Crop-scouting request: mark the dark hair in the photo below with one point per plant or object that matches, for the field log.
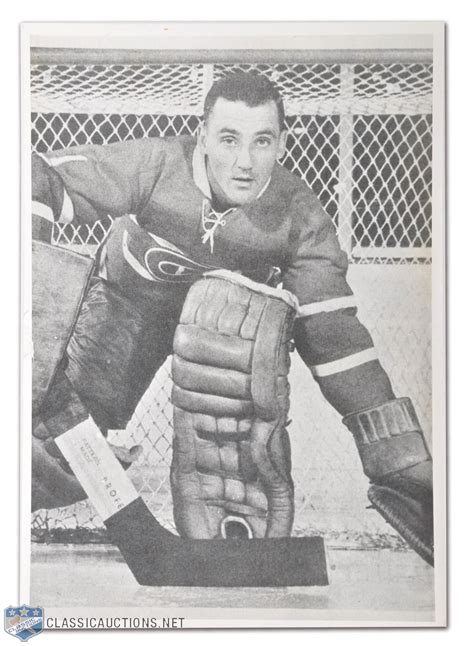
(251, 89)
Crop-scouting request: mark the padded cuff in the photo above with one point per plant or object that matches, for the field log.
(389, 438)
(395, 417)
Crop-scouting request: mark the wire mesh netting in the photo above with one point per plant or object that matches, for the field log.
(360, 136)
(177, 89)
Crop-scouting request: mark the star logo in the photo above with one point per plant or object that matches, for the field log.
(23, 622)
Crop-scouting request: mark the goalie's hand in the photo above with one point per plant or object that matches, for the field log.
(53, 482)
(51, 485)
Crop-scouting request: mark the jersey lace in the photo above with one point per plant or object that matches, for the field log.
(210, 220)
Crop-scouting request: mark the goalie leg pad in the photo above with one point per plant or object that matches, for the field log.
(231, 466)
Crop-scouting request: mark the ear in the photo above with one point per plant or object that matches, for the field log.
(202, 136)
(282, 143)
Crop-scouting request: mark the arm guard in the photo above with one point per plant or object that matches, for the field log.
(230, 474)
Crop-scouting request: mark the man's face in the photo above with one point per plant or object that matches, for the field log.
(242, 145)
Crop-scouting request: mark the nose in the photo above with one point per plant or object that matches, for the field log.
(244, 159)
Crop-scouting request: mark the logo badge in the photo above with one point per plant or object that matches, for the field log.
(23, 622)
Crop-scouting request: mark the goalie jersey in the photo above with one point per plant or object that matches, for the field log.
(167, 232)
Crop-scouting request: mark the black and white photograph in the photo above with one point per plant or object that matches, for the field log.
(233, 399)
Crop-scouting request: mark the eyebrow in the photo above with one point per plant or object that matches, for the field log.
(232, 131)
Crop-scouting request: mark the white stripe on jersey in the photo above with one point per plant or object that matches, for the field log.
(331, 305)
(67, 211)
(57, 161)
(43, 211)
(346, 363)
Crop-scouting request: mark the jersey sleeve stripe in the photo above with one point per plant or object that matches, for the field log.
(67, 211)
(57, 161)
(43, 211)
(346, 363)
(102, 263)
(331, 305)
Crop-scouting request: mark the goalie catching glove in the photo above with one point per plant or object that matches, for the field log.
(396, 459)
(230, 474)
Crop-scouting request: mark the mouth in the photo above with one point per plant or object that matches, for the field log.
(243, 182)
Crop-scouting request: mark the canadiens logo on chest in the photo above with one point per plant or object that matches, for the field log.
(157, 260)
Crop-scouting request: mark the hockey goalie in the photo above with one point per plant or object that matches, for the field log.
(199, 225)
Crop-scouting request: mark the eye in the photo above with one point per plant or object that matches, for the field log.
(229, 141)
(263, 142)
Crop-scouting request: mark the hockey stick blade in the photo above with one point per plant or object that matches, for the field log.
(157, 557)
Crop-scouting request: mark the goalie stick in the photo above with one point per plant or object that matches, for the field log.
(156, 557)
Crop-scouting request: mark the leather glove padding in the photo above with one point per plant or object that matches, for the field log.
(59, 281)
(411, 517)
(230, 474)
(397, 461)
(405, 500)
(53, 482)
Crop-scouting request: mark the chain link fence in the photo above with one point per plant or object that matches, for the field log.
(360, 136)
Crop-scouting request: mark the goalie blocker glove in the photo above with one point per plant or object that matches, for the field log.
(55, 403)
(397, 461)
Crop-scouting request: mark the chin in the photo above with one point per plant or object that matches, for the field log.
(239, 199)
(243, 201)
